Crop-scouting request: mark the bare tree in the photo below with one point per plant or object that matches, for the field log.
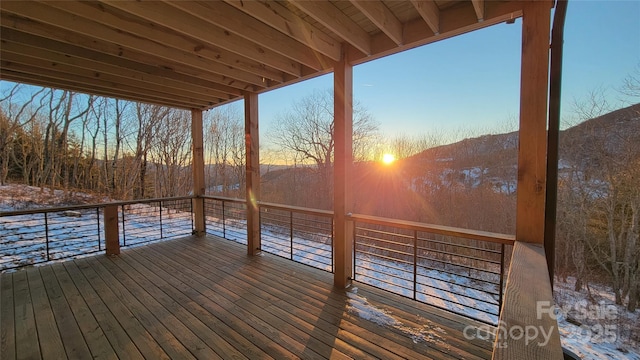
(14, 116)
(225, 150)
(148, 121)
(170, 154)
(307, 130)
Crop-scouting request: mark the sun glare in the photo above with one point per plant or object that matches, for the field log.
(388, 159)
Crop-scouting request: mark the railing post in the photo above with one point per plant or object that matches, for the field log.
(415, 263)
(112, 241)
(501, 283)
(160, 206)
(46, 234)
(224, 225)
(291, 233)
(98, 221)
(124, 232)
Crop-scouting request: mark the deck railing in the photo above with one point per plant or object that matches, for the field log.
(299, 234)
(459, 270)
(41, 235)
(462, 271)
(226, 218)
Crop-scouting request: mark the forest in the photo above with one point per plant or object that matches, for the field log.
(56, 139)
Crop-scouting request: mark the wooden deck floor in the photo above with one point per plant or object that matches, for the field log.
(204, 298)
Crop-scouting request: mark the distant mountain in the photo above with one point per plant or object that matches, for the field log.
(492, 159)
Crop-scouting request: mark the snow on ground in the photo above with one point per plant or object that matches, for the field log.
(38, 238)
(593, 326)
(23, 197)
(361, 307)
(21, 242)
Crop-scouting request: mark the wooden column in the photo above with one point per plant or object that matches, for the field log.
(197, 165)
(111, 235)
(252, 172)
(342, 179)
(532, 151)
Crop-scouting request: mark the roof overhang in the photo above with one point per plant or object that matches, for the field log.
(200, 54)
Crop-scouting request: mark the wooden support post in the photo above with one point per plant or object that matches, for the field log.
(342, 179)
(252, 172)
(532, 150)
(197, 165)
(111, 236)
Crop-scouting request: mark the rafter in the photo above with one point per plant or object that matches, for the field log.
(27, 65)
(335, 20)
(478, 6)
(285, 21)
(76, 24)
(247, 27)
(113, 17)
(453, 21)
(201, 30)
(103, 61)
(429, 12)
(102, 27)
(96, 88)
(52, 61)
(382, 17)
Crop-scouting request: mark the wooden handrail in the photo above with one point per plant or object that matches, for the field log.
(528, 328)
(437, 229)
(89, 206)
(225, 199)
(297, 209)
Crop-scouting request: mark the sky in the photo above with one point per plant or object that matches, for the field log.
(471, 83)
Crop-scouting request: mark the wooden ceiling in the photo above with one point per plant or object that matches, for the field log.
(200, 54)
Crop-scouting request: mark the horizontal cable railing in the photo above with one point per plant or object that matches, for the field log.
(299, 234)
(458, 270)
(36, 236)
(226, 218)
(152, 220)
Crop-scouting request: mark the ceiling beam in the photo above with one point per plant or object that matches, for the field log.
(51, 31)
(336, 21)
(56, 62)
(196, 28)
(97, 89)
(75, 17)
(24, 64)
(429, 12)
(382, 17)
(478, 6)
(12, 37)
(290, 24)
(252, 30)
(113, 17)
(453, 21)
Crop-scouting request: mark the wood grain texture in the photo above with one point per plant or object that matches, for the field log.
(197, 166)
(342, 179)
(252, 164)
(532, 148)
(111, 230)
(205, 298)
(527, 291)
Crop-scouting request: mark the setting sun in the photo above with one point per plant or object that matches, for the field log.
(388, 159)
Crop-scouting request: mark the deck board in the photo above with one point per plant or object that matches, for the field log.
(45, 303)
(204, 298)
